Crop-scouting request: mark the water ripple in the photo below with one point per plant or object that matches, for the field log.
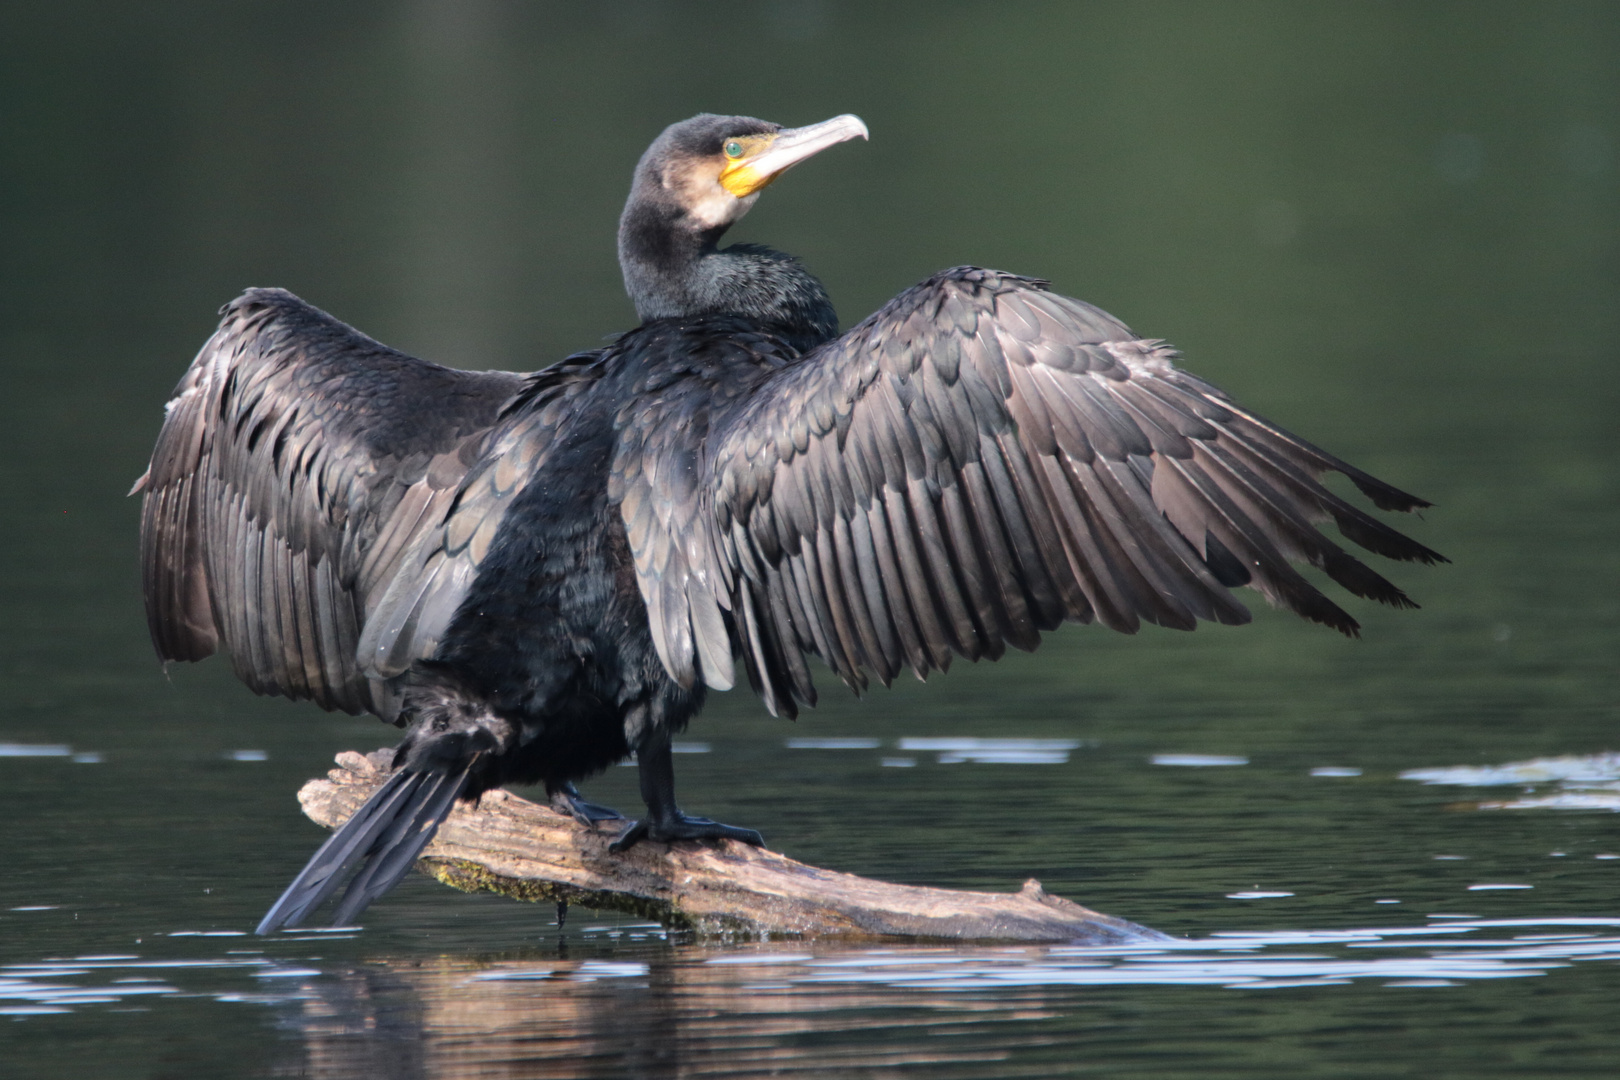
(1452, 953)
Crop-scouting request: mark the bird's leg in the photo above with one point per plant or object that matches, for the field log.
(565, 799)
(664, 820)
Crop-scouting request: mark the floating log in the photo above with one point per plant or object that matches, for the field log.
(511, 846)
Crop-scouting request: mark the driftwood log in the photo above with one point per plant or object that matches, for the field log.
(517, 848)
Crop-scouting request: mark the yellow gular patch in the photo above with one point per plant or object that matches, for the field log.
(738, 176)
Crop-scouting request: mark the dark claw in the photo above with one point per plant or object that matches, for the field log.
(627, 839)
(565, 799)
(682, 827)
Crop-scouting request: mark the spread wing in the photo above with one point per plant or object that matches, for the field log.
(302, 470)
(982, 460)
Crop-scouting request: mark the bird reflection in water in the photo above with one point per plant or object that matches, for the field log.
(448, 1018)
(826, 1009)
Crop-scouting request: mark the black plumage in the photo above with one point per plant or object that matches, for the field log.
(539, 575)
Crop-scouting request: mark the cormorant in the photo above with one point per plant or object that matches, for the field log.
(538, 575)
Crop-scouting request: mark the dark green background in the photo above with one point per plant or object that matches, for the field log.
(1391, 227)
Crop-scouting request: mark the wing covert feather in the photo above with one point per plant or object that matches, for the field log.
(298, 465)
(983, 459)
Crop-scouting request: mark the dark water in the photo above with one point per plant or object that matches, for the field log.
(1394, 228)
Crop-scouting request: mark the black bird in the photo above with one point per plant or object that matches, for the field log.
(537, 575)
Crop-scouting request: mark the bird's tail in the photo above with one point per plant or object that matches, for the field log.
(385, 836)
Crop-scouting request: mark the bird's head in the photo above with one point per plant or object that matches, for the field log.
(706, 172)
(692, 184)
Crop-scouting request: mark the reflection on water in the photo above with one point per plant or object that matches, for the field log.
(656, 1010)
(1199, 761)
(834, 743)
(955, 751)
(49, 750)
(42, 989)
(34, 750)
(1570, 769)
(1576, 782)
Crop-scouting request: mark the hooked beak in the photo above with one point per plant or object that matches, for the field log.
(786, 149)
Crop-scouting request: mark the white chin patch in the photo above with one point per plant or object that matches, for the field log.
(717, 207)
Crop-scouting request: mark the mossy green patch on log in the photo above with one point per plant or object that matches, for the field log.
(471, 877)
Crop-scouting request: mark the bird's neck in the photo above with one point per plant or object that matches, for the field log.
(673, 272)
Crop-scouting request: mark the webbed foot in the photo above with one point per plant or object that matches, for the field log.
(664, 820)
(565, 799)
(682, 827)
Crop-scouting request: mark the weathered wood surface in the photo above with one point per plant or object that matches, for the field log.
(518, 848)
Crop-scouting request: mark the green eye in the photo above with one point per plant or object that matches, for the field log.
(734, 149)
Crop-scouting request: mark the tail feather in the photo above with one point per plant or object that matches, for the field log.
(391, 827)
(396, 852)
(321, 875)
